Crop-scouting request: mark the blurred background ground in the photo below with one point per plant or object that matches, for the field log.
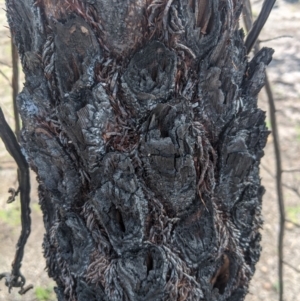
(284, 74)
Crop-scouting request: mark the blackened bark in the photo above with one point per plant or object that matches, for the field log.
(140, 118)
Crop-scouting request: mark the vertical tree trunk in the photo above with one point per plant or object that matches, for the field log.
(140, 119)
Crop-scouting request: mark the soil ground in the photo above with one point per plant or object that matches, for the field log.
(284, 75)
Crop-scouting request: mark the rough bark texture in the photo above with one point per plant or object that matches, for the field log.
(140, 119)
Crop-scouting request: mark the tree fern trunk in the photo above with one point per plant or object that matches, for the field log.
(140, 119)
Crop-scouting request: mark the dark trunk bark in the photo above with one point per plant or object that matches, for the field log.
(140, 119)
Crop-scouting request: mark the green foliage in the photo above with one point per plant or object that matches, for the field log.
(268, 124)
(35, 207)
(293, 213)
(44, 294)
(11, 214)
(276, 286)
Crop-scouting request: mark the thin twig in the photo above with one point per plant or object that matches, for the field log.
(5, 64)
(292, 267)
(291, 170)
(267, 170)
(13, 195)
(295, 224)
(4, 75)
(278, 185)
(276, 38)
(294, 189)
(15, 278)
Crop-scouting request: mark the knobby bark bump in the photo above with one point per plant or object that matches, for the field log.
(140, 119)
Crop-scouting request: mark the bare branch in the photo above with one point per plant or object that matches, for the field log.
(295, 224)
(267, 170)
(259, 24)
(15, 278)
(276, 38)
(278, 184)
(291, 266)
(4, 75)
(5, 64)
(292, 188)
(291, 170)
